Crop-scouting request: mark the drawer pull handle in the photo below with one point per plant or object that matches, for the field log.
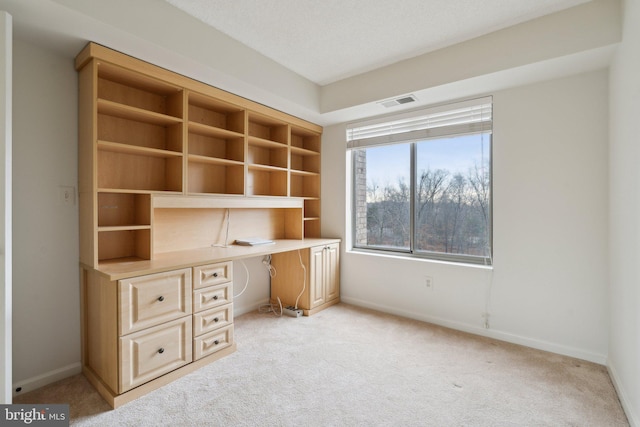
(215, 297)
(215, 274)
(161, 350)
(216, 342)
(216, 320)
(160, 298)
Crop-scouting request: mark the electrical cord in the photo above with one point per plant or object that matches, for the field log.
(226, 236)
(269, 308)
(270, 268)
(246, 283)
(304, 280)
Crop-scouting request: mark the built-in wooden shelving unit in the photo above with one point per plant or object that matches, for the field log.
(146, 132)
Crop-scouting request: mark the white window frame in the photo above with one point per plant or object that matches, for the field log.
(474, 116)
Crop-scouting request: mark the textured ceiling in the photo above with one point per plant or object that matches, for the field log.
(330, 40)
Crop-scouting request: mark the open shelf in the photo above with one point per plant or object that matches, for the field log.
(267, 153)
(124, 210)
(214, 176)
(215, 114)
(217, 147)
(266, 128)
(266, 181)
(305, 140)
(140, 134)
(128, 88)
(127, 171)
(305, 184)
(119, 244)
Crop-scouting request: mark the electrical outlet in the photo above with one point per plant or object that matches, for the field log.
(428, 282)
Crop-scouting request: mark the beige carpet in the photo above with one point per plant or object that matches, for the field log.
(348, 366)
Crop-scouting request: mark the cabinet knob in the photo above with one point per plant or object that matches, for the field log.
(215, 297)
(161, 350)
(160, 298)
(216, 342)
(215, 274)
(216, 320)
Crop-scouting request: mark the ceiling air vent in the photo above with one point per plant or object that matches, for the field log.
(398, 101)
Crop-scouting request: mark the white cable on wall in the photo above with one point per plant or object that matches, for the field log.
(226, 236)
(246, 283)
(304, 281)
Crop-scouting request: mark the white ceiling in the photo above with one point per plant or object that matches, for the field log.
(332, 62)
(329, 40)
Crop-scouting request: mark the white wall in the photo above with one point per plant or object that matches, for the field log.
(549, 287)
(624, 342)
(6, 284)
(46, 314)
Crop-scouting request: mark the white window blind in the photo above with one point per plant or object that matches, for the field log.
(461, 118)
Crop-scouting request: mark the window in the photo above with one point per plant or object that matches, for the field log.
(422, 182)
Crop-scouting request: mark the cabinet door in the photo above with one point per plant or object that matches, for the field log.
(332, 271)
(316, 276)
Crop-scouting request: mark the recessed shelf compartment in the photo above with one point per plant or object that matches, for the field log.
(266, 181)
(120, 244)
(139, 172)
(124, 210)
(127, 112)
(267, 154)
(305, 161)
(312, 227)
(140, 134)
(312, 208)
(214, 176)
(228, 148)
(215, 114)
(128, 88)
(305, 140)
(305, 184)
(268, 129)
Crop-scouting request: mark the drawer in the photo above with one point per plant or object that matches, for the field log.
(213, 296)
(217, 340)
(212, 274)
(212, 319)
(153, 299)
(147, 354)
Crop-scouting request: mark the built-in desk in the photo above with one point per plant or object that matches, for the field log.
(120, 269)
(146, 323)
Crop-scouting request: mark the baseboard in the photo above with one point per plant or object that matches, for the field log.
(629, 411)
(246, 308)
(490, 333)
(42, 380)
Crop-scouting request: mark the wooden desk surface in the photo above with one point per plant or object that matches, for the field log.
(123, 268)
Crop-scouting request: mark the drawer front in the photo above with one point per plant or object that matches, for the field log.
(213, 296)
(213, 274)
(212, 319)
(147, 354)
(217, 340)
(154, 299)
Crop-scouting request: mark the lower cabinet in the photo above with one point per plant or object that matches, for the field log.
(141, 332)
(307, 278)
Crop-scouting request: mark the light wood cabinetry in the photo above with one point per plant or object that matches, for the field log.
(172, 171)
(146, 132)
(140, 328)
(315, 286)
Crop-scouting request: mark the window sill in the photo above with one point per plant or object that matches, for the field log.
(416, 258)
